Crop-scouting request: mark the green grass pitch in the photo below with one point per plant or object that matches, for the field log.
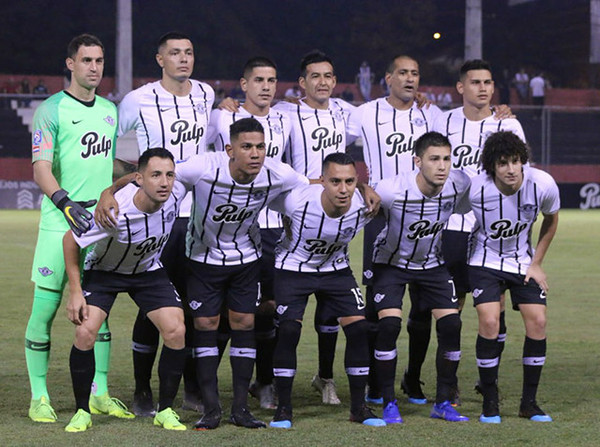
(570, 388)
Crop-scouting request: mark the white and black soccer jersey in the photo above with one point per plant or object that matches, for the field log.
(389, 134)
(135, 245)
(501, 238)
(223, 229)
(161, 119)
(315, 134)
(316, 242)
(467, 139)
(411, 238)
(277, 133)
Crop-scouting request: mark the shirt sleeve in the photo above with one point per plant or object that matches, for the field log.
(93, 235)
(45, 130)
(551, 198)
(128, 113)
(385, 190)
(189, 171)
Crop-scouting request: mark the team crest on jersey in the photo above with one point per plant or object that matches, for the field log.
(277, 129)
(528, 210)
(170, 217)
(419, 122)
(258, 195)
(347, 232)
(486, 134)
(45, 271)
(338, 115)
(447, 206)
(110, 120)
(201, 107)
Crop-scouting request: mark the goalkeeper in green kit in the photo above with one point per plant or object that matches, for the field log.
(73, 140)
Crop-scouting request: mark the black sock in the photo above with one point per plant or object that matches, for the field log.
(170, 369)
(264, 327)
(448, 355)
(356, 362)
(82, 365)
(502, 333)
(534, 357)
(419, 334)
(144, 345)
(284, 360)
(223, 336)
(386, 355)
(190, 379)
(488, 362)
(327, 332)
(242, 355)
(206, 355)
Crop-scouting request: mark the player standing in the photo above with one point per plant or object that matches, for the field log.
(172, 113)
(312, 257)
(259, 82)
(417, 205)
(506, 199)
(318, 128)
(72, 152)
(126, 259)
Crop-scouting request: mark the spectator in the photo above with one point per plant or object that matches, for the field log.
(364, 79)
(40, 88)
(293, 92)
(24, 89)
(521, 83)
(538, 85)
(444, 100)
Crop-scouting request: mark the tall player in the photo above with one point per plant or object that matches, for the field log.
(172, 113)
(506, 199)
(312, 257)
(72, 152)
(259, 82)
(126, 259)
(318, 128)
(417, 205)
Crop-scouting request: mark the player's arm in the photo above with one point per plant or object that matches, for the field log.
(502, 112)
(107, 210)
(229, 104)
(371, 198)
(77, 310)
(76, 215)
(547, 232)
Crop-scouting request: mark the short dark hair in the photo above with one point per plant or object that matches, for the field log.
(171, 35)
(86, 40)
(339, 158)
(258, 61)
(429, 139)
(499, 145)
(159, 152)
(474, 64)
(244, 125)
(313, 57)
(392, 65)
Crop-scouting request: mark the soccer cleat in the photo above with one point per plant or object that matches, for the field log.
(81, 421)
(490, 413)
(366, 417)
(282, 418)
(391, 414)
(112, 406)
(169, 420)
(530, 410)
(412, 388)
(455, 396)
(374, 399)
(243, 418)
(143, 405)
(40, 410)
(447, 412)
(192, 402)
(327, 388)
(209, 420)
(265, 395)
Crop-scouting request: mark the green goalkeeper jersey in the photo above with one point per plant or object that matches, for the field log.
(78, 138)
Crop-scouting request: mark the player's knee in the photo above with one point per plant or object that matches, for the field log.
(206, 323)
(173, 335)
(389, 328)
(289, 332)
(266, 308)
(85, 337)
(264, 323)
(536, 326)
(241, 322)
(449, 326)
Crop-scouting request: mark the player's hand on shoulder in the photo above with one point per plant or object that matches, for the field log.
(107, 210)
(372, 200)
(536, 273)
(422, 100)
(502, 112)
(229, 104)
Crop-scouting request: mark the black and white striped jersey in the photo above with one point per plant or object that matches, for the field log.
(161, 119)
(314, 241)
(501, 238)
(315, 134)
(224, 227)
(411, 238)
(136, 244)
(467, 139)
(277, 131)
(389, 134)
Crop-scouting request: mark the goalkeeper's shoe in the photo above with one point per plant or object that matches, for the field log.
(168, 419)
(40, 410)
(112, 406)
(80, 422)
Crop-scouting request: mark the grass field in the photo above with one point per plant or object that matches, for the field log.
(570, 388)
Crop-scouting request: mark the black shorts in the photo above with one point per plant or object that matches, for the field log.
(173, 257)
(337, 293)
(490, 284)
(455, 245)
(434, 288)
(150, 290)
(370, 233)
(269, 238)
(212, 286)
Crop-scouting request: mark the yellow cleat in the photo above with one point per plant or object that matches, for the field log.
(81, 421)
(169, 420)
(112, 406)
(40, 410)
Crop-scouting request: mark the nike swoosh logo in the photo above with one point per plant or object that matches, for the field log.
(454, 300)
(246, 352)
(137, 232)
(381, 124)
(363, 371)
(164, 109)
(538, 361)
(304, 118)
(308, 228)
(379, 356)
(68, 214)
(76, 122)
(453, 133)
(489, 210)
(486, 363)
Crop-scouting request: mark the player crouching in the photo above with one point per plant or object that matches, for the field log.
(127, 259)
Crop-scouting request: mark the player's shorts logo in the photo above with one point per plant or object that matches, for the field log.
(477, 292)
(378, 298)
(281, 309)
(194, 305)
(45, 271)
(368, 274)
